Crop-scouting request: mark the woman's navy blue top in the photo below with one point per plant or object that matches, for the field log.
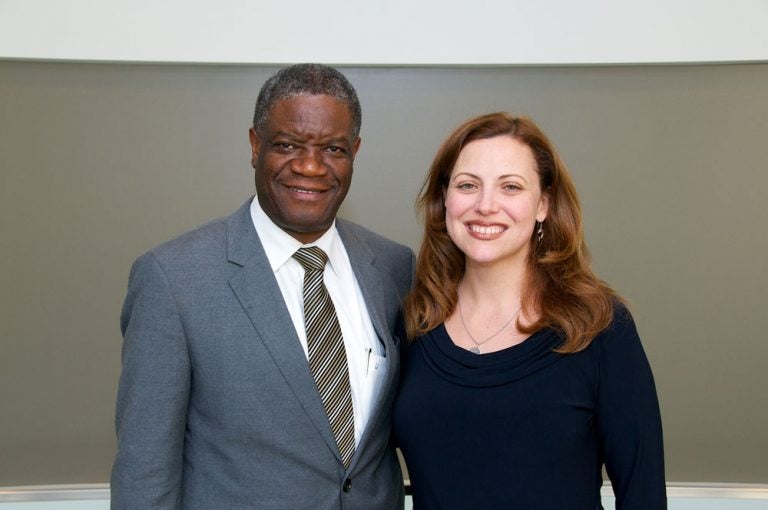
(528, 428)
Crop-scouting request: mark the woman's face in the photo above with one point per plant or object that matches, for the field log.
(493, 201)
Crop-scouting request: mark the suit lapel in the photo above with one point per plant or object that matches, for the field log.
(256, 289)
(373, 286)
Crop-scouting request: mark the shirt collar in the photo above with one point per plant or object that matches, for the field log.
(280, 246)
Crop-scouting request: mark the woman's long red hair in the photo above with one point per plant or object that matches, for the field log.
(561, 289)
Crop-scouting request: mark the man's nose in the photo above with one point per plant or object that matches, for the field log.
(308, 162)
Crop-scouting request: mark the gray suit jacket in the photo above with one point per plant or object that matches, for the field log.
(217, 408)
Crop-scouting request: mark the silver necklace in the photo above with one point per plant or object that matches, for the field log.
(476, 348)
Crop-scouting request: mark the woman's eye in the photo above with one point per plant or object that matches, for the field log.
(465, 185)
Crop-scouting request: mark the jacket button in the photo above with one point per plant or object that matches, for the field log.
(347, 485)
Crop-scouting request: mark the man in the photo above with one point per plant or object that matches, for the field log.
(223, 402)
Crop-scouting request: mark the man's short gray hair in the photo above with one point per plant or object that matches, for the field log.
(307, 80)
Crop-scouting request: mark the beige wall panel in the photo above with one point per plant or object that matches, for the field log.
(99, 162)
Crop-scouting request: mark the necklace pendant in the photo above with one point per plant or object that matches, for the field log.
(475, 350)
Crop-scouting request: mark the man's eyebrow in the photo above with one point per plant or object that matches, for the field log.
(285, 134)
(339, 140)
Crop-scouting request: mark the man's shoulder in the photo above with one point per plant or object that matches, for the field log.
(377, 242)
(196, 240)
(204, 243)
(392, 259)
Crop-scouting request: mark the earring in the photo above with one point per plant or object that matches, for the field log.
(540, 232)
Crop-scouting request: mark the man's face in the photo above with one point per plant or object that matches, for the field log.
(303, 161)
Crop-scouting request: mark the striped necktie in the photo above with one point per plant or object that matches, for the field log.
(327, 357)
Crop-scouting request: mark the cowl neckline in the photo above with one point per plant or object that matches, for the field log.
(462, 367)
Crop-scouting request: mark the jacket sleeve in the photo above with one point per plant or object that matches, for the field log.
(629, 421)
(152, 395)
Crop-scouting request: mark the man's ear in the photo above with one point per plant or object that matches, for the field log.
(356, 147)
(255, 140)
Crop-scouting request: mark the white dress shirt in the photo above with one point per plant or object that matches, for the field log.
(365, 353)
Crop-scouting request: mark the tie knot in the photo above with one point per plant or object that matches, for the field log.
(312, 258)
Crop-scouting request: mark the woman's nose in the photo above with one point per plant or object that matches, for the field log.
(486, 202)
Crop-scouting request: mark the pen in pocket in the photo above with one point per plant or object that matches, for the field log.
(367, 360)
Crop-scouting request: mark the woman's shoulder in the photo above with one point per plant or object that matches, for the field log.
(620, 339)
(622, 317)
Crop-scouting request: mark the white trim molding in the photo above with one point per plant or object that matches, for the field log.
(69, 492)
(100, 491)
(694, 490)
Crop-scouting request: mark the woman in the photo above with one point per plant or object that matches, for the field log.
(524, 374)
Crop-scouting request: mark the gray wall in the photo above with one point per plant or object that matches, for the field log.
(100, 162)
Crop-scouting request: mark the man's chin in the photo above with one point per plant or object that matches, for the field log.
(306, 232)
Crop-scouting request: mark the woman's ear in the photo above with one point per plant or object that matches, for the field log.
(543, 211)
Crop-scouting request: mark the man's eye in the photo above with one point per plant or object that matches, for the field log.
(335, 149)
(284, 146)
